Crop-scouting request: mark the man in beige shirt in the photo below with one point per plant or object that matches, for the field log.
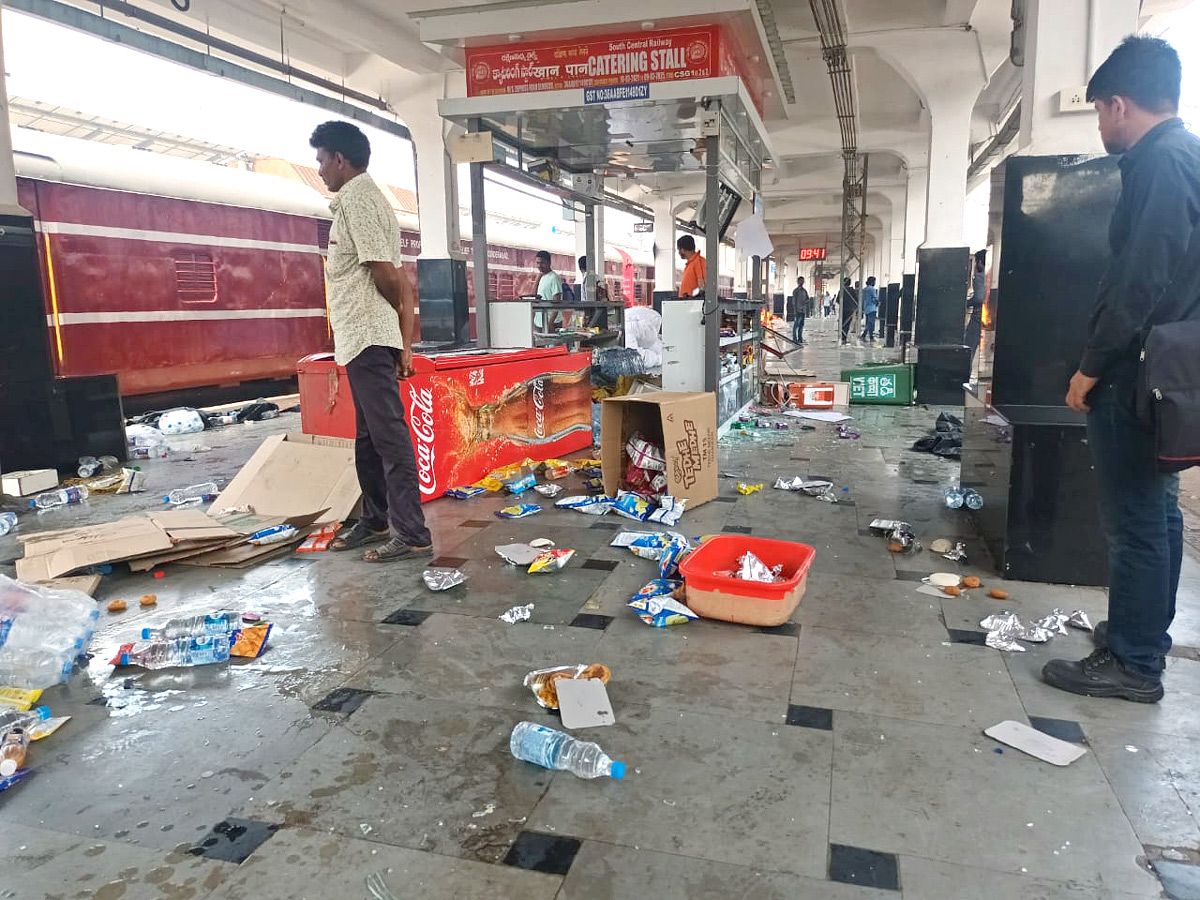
(373, 320)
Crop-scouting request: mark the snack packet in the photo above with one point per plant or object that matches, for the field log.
(320, 539)
(548, 490)
(656, 605)
(550, 561)
(276, 534)
(668, 564)
(557, 468)
(466, 492)
(592, 506)
(632, 506)
(541, 681)
(521, 484)
(670, 510)
(250, 642)
(520, 511)
(18, 698)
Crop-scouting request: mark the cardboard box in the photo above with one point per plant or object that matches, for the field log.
(29, 481)
(686, 427)
(294, 474)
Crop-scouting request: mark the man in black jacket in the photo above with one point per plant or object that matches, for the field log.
(797, 310)
(1136, 92)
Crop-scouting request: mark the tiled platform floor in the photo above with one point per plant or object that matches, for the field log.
(366, 754)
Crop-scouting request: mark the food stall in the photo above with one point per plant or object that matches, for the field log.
(469, 411)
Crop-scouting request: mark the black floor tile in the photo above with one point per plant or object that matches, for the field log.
(344, 700)
(234, 840)
(406, 616)
(867, 868)
(961, 636)
(550, 853)
(450, 562)
(603, 565)
(591, 620)
(925, 481)
(737, 529)
(810, 717)
(902, 575)
(788, 629)
(478, 523)
(1063, 729)
(725, 499)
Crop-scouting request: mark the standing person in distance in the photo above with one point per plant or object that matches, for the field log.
(549, 288)
(695, 272)
(1136, 92)
(372, 314)
(848, 302)
(870, 306)
(974, 330)
(798, 305)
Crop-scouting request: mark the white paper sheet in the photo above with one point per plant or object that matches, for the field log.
(818, 415)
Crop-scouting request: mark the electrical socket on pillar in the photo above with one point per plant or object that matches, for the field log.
(1074, 100)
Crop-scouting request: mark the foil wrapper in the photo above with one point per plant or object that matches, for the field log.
(789, 484)
(958, 553)
(1055, 623)
(751, 568)
(900, 532)
(1004, 630)
(443, 579)
(548, 490)
(1079, 619)
(997, 641)
(517, 614)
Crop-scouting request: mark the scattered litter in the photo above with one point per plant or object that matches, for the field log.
(486, 811)
(661, 610)
(1079, 619)
(201, 650)
(319, 540)
(117, 606)
(518, 554)
(517, 614)
(17, 698)
(592, 506)
(365, 828)
(1131, 748)
(632, 506)
(520, 484)
(442, 579)
(944, 440)
(1035, 743)
(276, 534)
(548, 490)
(957, 554)
(519, 511)
(751, 568)
(670, 510)
(971, 581)
(542, 681)
(584, 703)
(466, 492)
(552, 749)
(941, 545)
(943, 579)
(148, 600)
(847, 434)
(818, 415)
(746, 489)
(901, 536)
(998, 594)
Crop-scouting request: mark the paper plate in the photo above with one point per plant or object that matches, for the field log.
(944, 579)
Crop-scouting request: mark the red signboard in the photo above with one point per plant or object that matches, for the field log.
(638, 57)
(808, 254)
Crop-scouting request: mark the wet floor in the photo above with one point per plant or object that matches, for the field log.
(365, 755)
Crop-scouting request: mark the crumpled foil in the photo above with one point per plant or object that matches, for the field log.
(1079, 619)
(548, 490)
(1004, 629)
(822, 490)
(958, 553)
(751, 568)
(900, 532)
(440, 579)
(517, 614)
(1055, 623)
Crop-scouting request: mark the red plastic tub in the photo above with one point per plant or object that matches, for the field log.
(716, 596)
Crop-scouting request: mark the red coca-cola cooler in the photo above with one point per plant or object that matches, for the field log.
(469, 411)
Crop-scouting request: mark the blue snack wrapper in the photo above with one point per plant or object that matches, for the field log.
(520, 485)
(632, 506)
(670, 510)
(668, 563)
(592, 506)
(655, 606)
(520, 511)
(466, 492)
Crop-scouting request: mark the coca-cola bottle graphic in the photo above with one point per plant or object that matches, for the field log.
(540, 410)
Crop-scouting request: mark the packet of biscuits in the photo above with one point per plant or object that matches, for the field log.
(541, 681)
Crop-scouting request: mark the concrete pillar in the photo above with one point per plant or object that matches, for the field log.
(1054, 65)
(664, 244)
(914, 217)
(8, 175)
(437, 194)
(949, 142)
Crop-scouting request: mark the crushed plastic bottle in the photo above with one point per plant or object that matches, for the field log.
(186, 651)
(36, 668)
(88, 466)
(26, 719)
(68, 496)
(204, 491)
(193, 626)
(152, 451)
(555, 750)
(12, 751)
(973, 499)
(8, 521)
(954, 497)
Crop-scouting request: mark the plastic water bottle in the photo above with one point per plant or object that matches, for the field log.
(8, 521)
(205, 491)
(151, 451)
(973, 499)
(68, 496)
(954, 497)
(192, 626)
(555, 750)
(35, 668)
(23, 718)
(12, 751)
(188, 651)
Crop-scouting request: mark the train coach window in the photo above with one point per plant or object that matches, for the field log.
(195, 278)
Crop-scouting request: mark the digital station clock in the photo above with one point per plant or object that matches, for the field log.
(811, 254)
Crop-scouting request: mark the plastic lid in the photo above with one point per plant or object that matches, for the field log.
(166, 499)
(7, 767)
(618, 769)
(124, 659)
(42, 712)
(145, 634)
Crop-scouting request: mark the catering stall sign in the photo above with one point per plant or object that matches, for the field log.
(618, 59)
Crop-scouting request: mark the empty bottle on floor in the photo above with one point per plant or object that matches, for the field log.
(15, 718)
(35, 667)
(188, 651)
(8, 521)
(88, 466)
(973, 499)
(555, 750)
(193, 626)
(68, 496)
(954, 497)
(12, 751)
(207, 490)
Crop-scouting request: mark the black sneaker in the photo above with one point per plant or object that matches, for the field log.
(1101, 675)
(1100, 635)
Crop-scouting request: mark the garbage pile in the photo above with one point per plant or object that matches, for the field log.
(43, 631)
(21, 724)
(945, 440)
(198, 640)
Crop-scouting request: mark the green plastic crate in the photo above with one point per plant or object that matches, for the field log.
(890, 385)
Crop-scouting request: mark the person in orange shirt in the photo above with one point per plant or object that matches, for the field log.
(695, 272)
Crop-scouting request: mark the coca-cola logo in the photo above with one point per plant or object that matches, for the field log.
(421, 417)
(539, 409)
